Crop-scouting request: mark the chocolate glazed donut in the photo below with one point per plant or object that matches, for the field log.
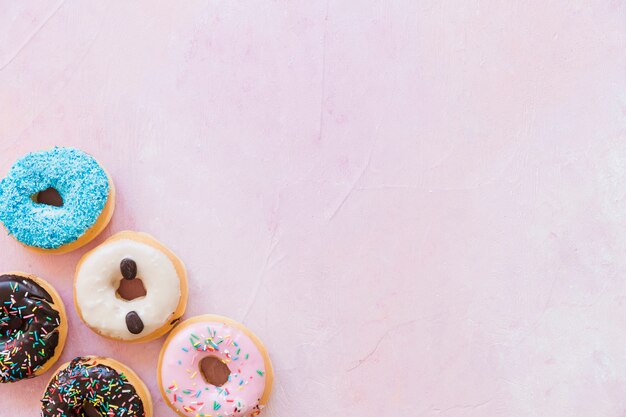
(29, 327)
(88, 388)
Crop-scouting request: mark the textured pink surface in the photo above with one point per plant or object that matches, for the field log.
(419, 205)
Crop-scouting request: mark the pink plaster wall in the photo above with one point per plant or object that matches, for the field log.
(417, 205)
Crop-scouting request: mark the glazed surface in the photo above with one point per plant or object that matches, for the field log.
(79, 179)
(99, 276)
(29, 323)
(86, 387)
(182, 381)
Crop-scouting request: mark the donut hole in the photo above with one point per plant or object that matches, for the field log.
(131, 289)
(13, 324)
(89, 410)
(49, 197)
(214, 371)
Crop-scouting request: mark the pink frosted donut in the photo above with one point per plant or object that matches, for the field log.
(211, 365)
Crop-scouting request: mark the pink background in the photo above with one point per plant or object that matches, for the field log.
(419, 206)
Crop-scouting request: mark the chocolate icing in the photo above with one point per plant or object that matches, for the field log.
(86, 388)
(29, 325)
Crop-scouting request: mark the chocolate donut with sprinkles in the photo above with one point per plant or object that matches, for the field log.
(93, 386)
(33, 326)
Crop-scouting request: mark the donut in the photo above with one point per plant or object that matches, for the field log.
(86, 191)
(92, 386)
(212, 365)
(33, 326)
(130, 258)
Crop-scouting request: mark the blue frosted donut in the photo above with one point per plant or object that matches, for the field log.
(81, 182)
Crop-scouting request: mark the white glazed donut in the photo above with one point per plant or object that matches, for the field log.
(129, 256)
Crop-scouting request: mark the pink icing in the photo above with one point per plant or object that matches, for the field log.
(186, 389)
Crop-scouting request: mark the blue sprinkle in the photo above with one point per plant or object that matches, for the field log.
(81, 182)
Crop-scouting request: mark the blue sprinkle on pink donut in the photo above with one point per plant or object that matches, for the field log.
(79, 179)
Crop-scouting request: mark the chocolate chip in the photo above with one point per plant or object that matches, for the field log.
(134, 323)
(128, 268)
